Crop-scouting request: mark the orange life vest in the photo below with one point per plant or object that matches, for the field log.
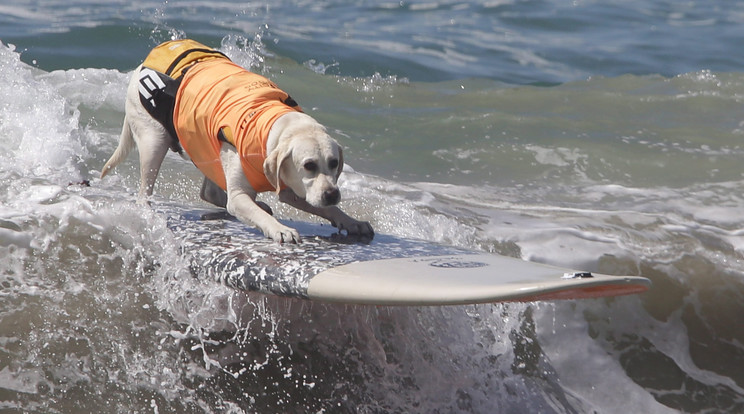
(217, 95)
(160, 78)
(172, 57)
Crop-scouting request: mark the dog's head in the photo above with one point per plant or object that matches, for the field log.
(308, 161)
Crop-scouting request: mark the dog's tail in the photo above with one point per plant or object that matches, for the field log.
(126, 143)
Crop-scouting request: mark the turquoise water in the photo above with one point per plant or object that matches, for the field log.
(583, 134)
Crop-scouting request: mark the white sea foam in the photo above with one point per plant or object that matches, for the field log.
(39, 125)
(585, 367)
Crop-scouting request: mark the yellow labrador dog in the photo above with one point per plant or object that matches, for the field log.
(244, 133)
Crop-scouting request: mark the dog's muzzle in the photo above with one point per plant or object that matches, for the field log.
(331, 197)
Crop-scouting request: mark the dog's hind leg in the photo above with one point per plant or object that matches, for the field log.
(153, 142)
(151, 157)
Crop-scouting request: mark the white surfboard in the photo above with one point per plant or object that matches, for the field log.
(462, 279)
(384, 271)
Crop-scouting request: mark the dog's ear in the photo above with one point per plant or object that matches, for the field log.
(340, 162)
(273, 165)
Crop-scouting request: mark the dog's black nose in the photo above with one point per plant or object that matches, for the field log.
(331, 197)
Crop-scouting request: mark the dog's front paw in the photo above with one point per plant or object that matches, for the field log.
(282, 234)
(355, 227)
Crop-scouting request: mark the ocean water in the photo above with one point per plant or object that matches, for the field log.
(599, 136)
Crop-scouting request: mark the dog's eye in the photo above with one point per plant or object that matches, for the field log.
(311, 166)
(332, 164)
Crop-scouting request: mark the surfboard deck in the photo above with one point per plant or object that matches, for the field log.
(387, 270)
